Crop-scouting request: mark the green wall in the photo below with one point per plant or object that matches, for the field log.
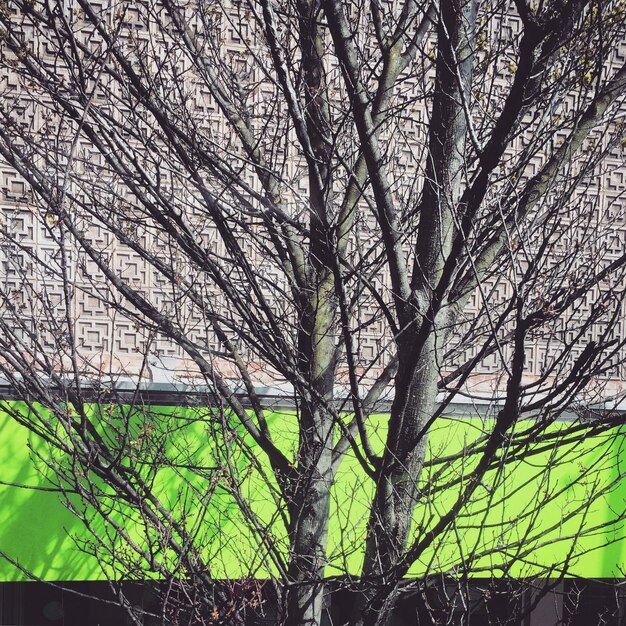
(540, 512)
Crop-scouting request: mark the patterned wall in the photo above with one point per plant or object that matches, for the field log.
(42, 275)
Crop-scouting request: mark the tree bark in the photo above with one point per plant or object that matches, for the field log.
(309, 533)
(415, 398)
(309, 496)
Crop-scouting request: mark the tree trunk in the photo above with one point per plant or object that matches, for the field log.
(415, 398)
(397, 492)
(305, 575)
(312, 479)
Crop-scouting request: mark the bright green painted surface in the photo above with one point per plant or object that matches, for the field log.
(537, 513)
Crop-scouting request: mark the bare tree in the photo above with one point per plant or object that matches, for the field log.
(367, 202)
